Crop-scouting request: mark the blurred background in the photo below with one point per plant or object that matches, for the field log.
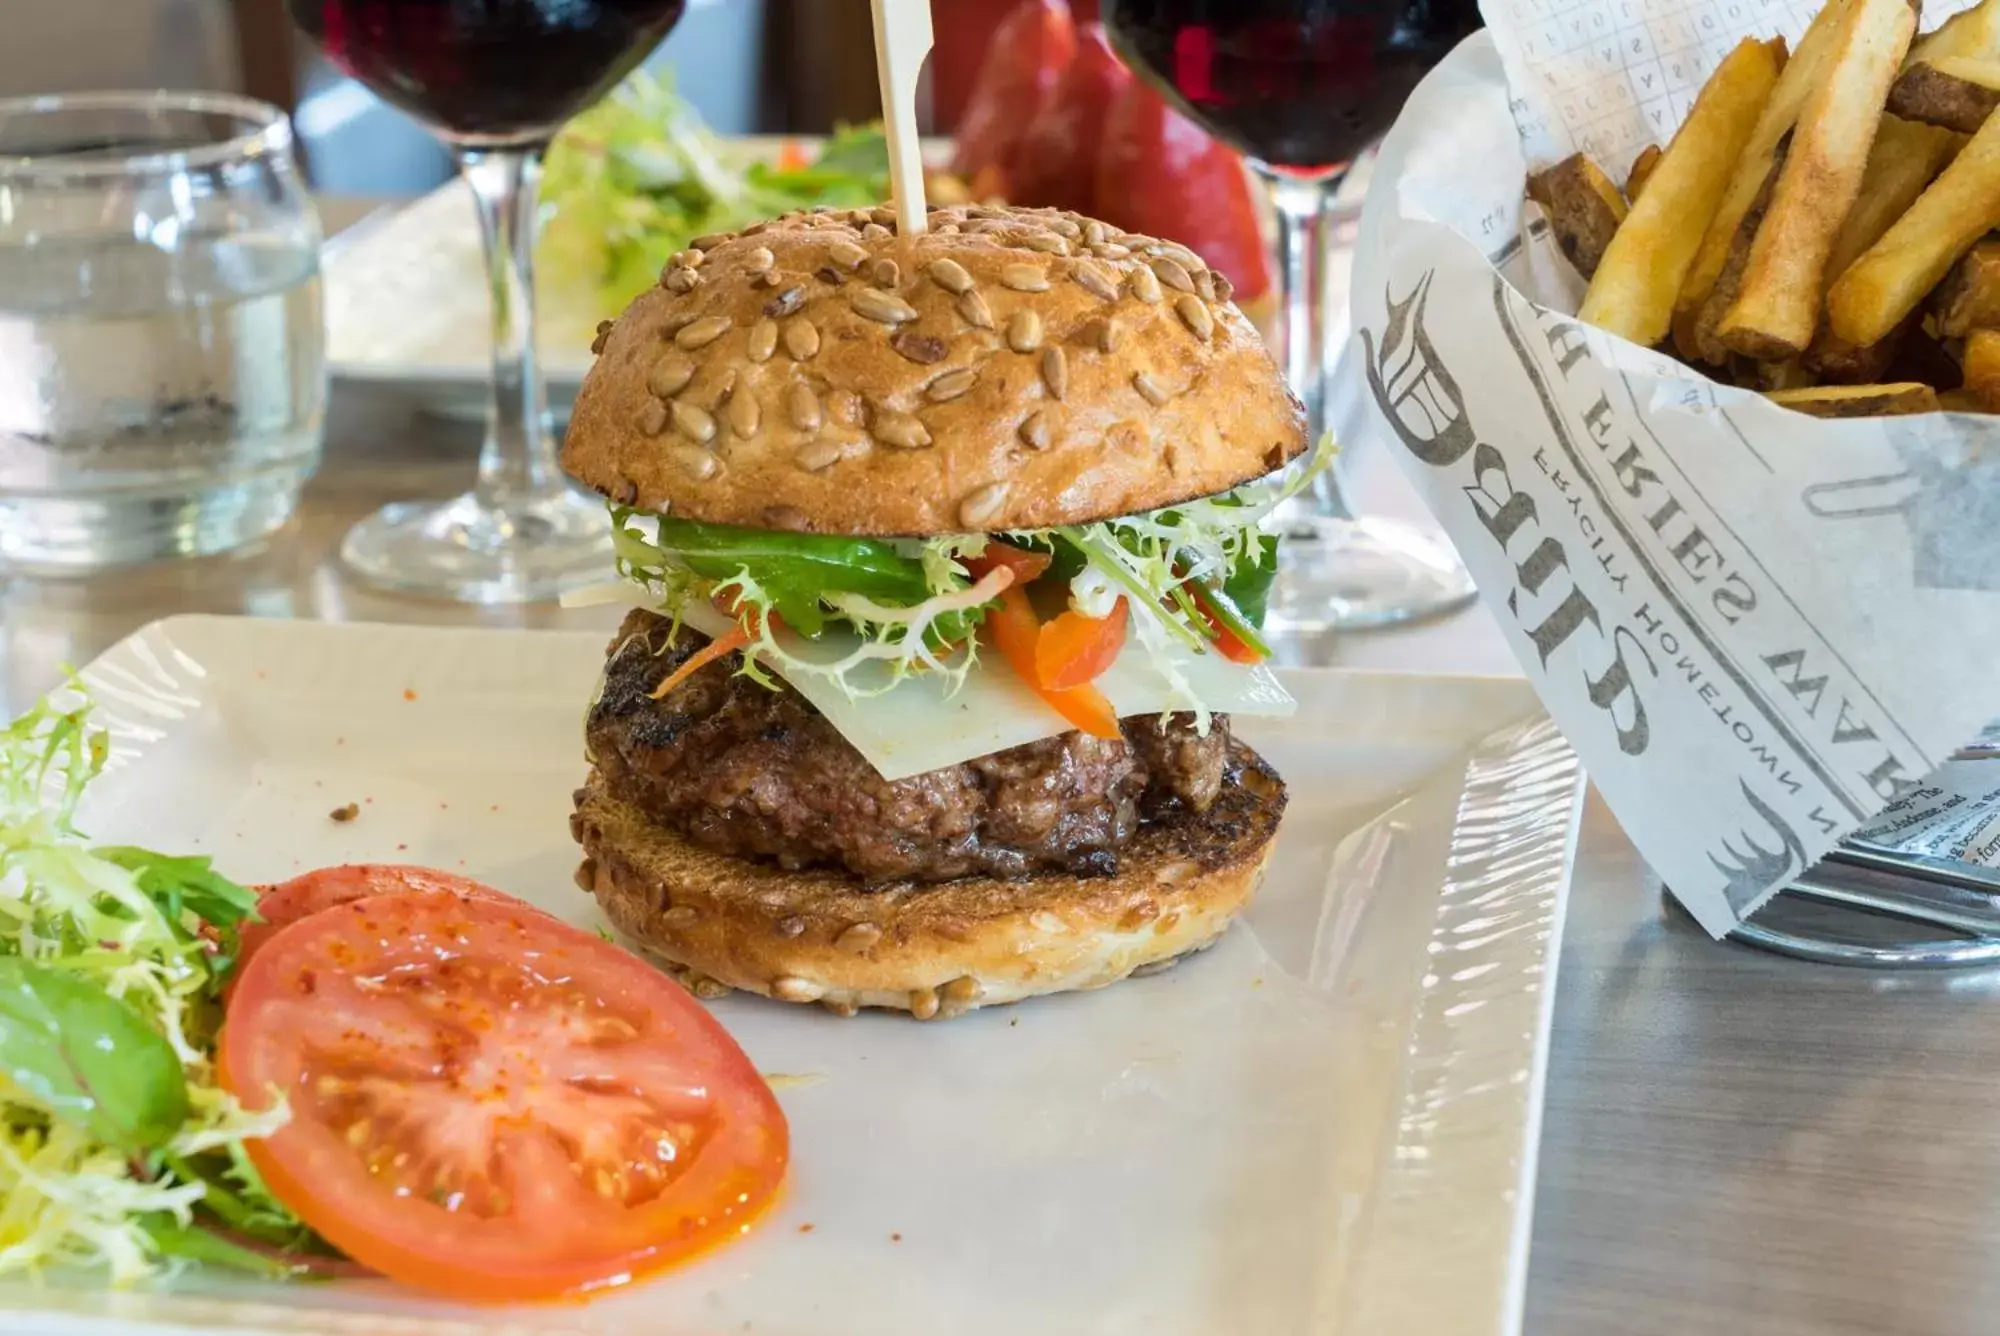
(748, 66)
(1026, 101)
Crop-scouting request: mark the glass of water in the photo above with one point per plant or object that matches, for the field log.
(162, 367)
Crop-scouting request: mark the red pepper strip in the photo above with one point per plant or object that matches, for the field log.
(1227, 642)
(1026, 563)
(1074, 649)
(1015, 631)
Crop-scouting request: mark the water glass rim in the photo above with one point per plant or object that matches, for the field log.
(263, 130)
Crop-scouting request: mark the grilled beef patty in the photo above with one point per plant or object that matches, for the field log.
(741, 769)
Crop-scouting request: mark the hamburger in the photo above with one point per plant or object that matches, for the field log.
(948, 566)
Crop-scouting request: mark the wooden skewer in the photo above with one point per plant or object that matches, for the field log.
(902, 44)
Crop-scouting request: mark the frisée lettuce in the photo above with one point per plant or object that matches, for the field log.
(1190, 572)
(907, 599)
(118, 1148)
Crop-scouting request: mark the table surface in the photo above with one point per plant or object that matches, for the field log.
(1733, 1142)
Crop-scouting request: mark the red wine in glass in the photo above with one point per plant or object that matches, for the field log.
(488, 71)
(1300, 85)
(495, 79)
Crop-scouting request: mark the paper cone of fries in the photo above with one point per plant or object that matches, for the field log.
(1749, 562)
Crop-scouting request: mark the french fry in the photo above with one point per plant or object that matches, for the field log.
(1969, 297)
(1851, 401)
(1781, 112)
(1972, 32)
(1960, 401)
(1982, 367)
(1896, 273)
(1906, 158)
(1632, 294)
(1980, 71)
(1584, 209)
(1642, 171)
(1956, 92)
(1699, 342)
(1785, 282)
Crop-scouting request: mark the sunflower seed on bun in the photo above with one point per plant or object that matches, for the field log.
(950, 345)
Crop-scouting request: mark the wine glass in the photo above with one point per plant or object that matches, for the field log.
(494, 79)
(1301, 87)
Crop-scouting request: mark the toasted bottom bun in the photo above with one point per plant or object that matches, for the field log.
(933, 950)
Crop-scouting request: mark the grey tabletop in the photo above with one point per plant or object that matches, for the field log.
(1733, 1142)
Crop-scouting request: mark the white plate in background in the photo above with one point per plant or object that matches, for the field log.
(1325, 1124)
(406, 299)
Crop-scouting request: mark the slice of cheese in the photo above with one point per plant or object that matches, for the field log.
(920, 724)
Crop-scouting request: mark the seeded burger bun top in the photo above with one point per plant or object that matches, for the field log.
(1009, 369)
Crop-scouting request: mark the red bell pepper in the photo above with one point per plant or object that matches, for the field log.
(1160, 174)
(1015, 631)
(1056, 164)
(1073, 649)
(1025, 60)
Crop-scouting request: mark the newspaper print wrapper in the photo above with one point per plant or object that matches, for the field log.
(1757, 628)
(1953, 816)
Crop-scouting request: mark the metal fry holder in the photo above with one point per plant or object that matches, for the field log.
(1862, 893)
(1855, 905)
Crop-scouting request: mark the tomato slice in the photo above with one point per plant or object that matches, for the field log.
(1074, 649)
(311, 892)
(1015, 632)
(490, 1104)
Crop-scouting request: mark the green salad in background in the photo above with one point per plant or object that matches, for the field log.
(638, 176)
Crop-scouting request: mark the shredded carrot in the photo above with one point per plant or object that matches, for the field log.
(736, 638)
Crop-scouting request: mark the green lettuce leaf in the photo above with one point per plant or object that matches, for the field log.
(185, 885)
(1249, 584)
(88, 1058)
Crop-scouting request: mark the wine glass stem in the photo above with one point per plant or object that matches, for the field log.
(1300, 205)
(517, 464)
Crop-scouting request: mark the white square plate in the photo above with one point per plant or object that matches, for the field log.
(1325, 1124)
